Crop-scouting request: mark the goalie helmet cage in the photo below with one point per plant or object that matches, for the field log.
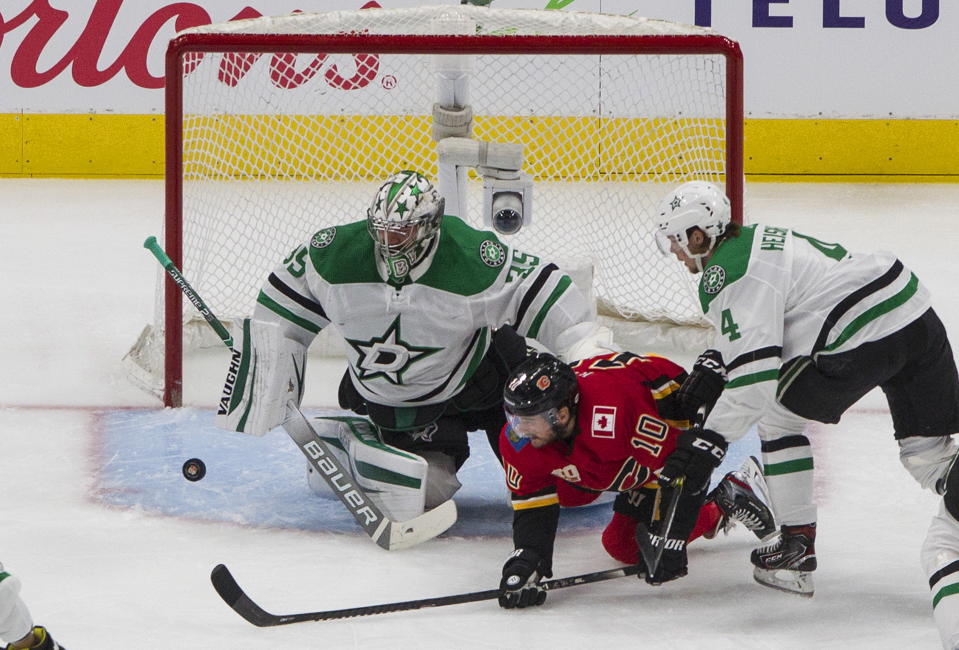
(278, 127)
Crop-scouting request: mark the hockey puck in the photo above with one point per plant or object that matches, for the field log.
(194, 469)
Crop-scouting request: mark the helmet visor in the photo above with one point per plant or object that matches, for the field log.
(536, 425)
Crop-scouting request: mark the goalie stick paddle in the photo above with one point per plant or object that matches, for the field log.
(387, 534)
(234, 596)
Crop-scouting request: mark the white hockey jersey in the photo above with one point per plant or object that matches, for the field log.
(418, 343)
(774, 295)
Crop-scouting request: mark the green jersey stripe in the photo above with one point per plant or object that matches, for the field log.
(788, 467)
(478, 353)
(948, 590)
(560, 289)
(876, 311)
(753, 378)
(282, 311)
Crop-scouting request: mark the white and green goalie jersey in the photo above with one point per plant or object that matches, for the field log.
(774, 295)
(419, 342)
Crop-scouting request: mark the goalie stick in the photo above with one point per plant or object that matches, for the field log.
(387, 534)
(234, 596)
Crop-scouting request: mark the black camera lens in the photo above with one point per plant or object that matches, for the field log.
(507, 221)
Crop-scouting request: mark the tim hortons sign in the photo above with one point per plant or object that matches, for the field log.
(54, 40)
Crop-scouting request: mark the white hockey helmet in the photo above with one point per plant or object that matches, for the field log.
(696, 204)
(405, 212)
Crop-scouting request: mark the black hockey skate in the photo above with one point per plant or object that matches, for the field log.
(788, 560)
(742, 497)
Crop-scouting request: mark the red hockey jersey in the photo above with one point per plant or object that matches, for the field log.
(624, 432)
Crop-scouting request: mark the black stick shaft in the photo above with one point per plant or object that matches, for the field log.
(234, 596)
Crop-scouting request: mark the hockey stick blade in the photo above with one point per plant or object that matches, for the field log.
(234, 596)
(644, 539)
(651, 546)
(387, 534)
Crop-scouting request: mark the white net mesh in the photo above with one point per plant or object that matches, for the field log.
(276, 144)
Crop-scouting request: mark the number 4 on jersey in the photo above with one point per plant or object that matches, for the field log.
(728, 326)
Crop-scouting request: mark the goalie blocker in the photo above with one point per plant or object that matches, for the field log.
(266, 371)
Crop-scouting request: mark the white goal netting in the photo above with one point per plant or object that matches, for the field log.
(278, 127)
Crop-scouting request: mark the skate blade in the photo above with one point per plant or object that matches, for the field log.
(793, 582)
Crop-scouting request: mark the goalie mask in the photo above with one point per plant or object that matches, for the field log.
(403, 218)
(535, 392)
(695, 204)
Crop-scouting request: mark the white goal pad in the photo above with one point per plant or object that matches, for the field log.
(395, 480)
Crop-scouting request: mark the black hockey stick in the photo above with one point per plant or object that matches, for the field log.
(647, 540)
(234, 596)
(387, 534)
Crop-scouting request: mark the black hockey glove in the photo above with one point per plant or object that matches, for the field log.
(520, 586)
(698, 452)
(703, 386)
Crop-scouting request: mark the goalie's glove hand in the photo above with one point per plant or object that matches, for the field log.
(521, 586)
(698, 452)
(703, 386)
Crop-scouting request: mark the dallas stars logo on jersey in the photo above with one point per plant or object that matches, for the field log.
(387, 356)
(713, 279)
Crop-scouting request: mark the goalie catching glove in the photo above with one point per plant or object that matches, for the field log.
(266, 371)
(521, 585)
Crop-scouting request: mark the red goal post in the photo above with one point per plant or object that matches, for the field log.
(236, 147)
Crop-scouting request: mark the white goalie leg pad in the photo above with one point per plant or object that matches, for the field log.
(15, 619)
(266, 371)
(927, 459)
(395, 480)
(940, 561)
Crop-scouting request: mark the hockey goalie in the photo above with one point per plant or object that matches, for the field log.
(435, 315)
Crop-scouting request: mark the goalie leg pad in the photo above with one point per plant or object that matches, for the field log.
(395, 480)
(266, 371)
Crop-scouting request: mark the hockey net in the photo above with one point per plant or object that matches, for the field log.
(277, 127)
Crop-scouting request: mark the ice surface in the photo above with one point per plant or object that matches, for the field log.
(114, 548)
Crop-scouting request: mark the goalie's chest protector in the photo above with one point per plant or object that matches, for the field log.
(420, 342)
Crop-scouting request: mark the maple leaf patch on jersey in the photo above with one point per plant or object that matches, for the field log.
(604, 422)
